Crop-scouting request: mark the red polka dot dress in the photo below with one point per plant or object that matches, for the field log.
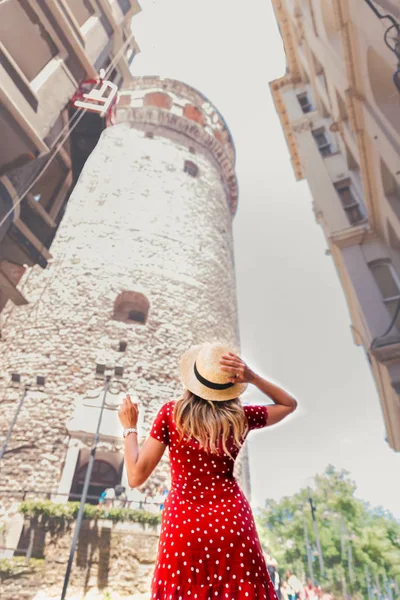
(209, 547)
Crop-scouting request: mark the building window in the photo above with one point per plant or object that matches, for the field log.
(191, 168)
(82, 10)
(389, 285)
(125, 5)
(131, 307)
(343, 114)
(47, 187)
(37, 48)
(304, 102)
(323, 143)
(349, 202)
(391, 188)
(393, 238)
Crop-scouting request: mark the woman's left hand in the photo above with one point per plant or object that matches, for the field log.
(237, 367)
(128, 413)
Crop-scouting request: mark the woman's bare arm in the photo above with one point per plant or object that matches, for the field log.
(284, 402)
(241, 373)
(139, 464)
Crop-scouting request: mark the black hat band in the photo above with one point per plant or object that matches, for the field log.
(211, 384)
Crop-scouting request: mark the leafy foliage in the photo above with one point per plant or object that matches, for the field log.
(60, 515)
(358, 543)
(16, 567)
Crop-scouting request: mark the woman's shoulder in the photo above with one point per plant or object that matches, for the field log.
(167, 407)
(257, 415)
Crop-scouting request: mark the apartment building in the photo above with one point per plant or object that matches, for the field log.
(339, 105)
(48, 48)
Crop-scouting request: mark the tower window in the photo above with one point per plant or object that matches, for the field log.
(137, 316)
(131, 307)
(191, 168)
(323, 143)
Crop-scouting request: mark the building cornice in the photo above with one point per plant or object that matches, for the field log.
(354, 236)
(293, 76)
(276, 87)
(288, 42)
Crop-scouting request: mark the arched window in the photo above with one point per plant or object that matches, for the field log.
(131, 307)
(380, 74)
(104, 475)
(388, 283)
(191, 168)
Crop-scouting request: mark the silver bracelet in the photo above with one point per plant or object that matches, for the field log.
(129, 430)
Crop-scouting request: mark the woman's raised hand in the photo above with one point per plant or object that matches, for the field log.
(128, 413)
(240, 372)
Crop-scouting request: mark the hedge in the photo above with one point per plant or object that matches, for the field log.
(68, 512)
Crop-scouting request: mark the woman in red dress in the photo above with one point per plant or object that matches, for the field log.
(209, 547)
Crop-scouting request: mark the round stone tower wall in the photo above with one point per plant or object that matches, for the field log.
(143, 268)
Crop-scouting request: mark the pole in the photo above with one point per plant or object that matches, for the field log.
(317, 540)
(308, 549)
(10, 429)
(378, 586)
(350, 562)
(88, 475)
(368, 581)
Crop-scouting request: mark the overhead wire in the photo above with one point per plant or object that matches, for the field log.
(16, 200)
(395, 48)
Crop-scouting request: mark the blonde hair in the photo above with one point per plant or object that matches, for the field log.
(210, 423)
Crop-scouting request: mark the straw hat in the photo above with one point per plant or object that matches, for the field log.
(201, 373)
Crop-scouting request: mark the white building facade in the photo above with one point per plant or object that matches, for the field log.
(339, 104)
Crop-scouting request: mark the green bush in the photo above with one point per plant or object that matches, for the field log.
(63, 514)
(17, 567)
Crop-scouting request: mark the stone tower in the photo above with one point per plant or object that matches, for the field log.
(142, 268)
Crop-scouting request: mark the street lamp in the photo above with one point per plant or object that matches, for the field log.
(118, 372)
(309, 551)
(16, 378)
(316, 532)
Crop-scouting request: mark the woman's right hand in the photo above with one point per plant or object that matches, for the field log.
(240, 372)
(128, 413)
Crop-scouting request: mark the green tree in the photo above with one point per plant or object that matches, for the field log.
(359, 543)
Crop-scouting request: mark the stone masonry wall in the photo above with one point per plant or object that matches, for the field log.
(115, 558)
(135, 222)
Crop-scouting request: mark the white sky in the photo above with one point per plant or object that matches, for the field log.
(294, 322)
